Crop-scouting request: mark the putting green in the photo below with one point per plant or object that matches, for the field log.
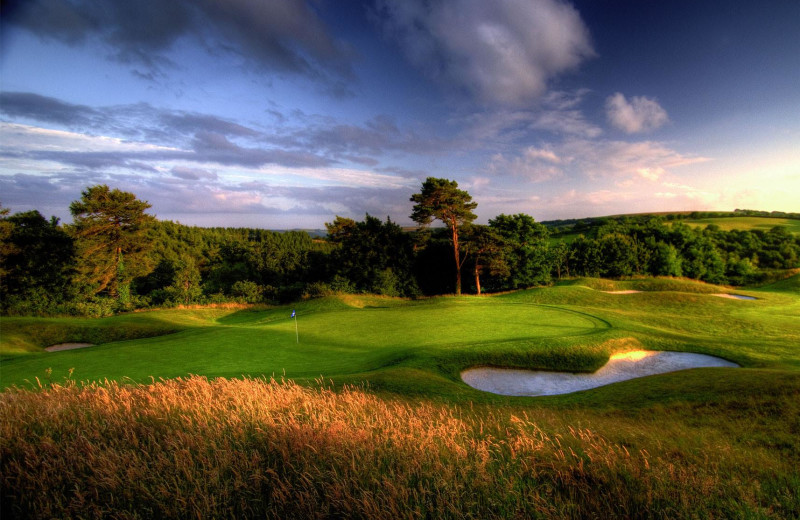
(333, 342)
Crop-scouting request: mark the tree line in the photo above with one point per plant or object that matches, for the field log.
(114, 256)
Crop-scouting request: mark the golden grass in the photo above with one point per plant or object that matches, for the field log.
(204, 448)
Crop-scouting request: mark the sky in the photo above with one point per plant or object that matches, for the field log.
(283, 114)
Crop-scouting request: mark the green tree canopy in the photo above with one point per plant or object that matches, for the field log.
(109, 226)
(37, 260)
(527, 255)
(489, 252)
(373, 256)
(440, 199)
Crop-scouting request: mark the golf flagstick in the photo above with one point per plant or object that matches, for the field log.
(296, 333)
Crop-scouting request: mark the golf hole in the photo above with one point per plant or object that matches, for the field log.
(620, 367)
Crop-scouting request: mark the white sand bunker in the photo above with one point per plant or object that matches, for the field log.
(735, 296)
(67, 346)
(620, 367)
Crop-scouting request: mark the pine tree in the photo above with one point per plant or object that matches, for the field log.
(109, 227)
(441, 199)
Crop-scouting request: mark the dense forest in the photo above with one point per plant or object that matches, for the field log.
(115, 257)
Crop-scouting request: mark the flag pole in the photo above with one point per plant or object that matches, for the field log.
(296, 332)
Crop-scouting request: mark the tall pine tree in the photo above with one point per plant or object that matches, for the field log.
(441, 199)
(109, 228)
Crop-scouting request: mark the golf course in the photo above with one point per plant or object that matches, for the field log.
(364, 394)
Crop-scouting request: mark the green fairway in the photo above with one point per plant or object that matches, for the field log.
(412, 347)
(338, 337)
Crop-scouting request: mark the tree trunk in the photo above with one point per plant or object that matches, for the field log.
(456, 252)
(478, 277)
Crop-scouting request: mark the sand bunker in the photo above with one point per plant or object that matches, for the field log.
(621, 292)
(735, 296)
(620, 367)
(67, 346)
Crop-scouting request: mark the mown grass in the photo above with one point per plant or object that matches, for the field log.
(362, 338)
(339, 336)
(246, 448)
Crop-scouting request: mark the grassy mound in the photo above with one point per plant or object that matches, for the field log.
(647, 284)
(34, 334)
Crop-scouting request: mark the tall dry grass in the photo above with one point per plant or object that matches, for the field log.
(259, 448)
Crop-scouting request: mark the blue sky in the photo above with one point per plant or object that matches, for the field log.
(285, 113)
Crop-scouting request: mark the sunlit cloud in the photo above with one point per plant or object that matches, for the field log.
(640, 114)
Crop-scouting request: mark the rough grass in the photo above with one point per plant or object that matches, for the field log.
(648, 284)
(258, 448)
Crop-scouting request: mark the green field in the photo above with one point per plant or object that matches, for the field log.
(380, 424)
(746, 223)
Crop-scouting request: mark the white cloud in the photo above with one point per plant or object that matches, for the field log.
(503, 51)
(639, 115)
(21, 138)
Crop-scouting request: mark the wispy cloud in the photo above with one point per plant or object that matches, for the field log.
(533, 164)
(175, 134)
(620, 159)
(593, 159)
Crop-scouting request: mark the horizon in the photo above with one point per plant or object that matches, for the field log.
(283, 115)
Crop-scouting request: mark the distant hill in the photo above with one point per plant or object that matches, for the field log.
(315, 233)
(740, 219)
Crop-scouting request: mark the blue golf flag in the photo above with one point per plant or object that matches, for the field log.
(292, 316)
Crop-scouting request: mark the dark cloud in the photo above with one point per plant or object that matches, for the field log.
(352, 202)
(140, 119)
(213, 147)
(190, 123)
(50, 194)
(48, 110)
(377, 136)
(283, 35)
(104, 160)
(502, 52)
(193, 174)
